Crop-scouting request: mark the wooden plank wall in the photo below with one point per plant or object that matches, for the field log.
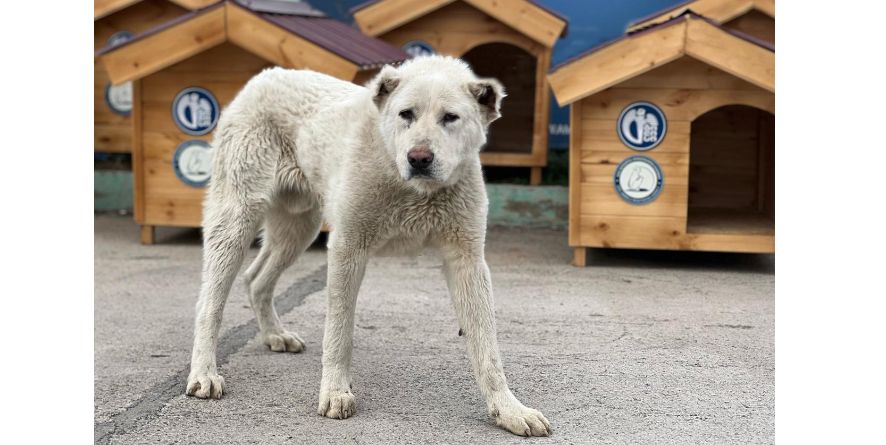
(683, 89)
(112, 131)
(222, 70)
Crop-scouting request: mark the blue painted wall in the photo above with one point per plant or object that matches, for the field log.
(591, 22)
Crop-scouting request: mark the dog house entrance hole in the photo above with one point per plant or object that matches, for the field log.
(732, 172)
(515, 69)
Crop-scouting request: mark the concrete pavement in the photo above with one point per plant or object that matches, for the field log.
(640, 347)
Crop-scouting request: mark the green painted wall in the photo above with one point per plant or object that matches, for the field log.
(113, 190)
(509, 205)
(527, 206)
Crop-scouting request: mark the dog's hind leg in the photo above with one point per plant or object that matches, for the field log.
(236, 203)
(286, 236)
(227, 235)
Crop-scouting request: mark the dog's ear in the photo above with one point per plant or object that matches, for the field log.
(489, 93)
(383, 85)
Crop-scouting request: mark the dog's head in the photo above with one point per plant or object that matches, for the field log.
(433, 116)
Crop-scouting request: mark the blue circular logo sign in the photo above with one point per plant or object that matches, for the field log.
(642, 126)
(638, 180)
(195, 111)
(119, 37)
(192, 162)
(119, 98)
(417, 48)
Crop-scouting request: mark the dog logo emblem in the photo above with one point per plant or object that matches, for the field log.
(119, 37)
(195, 111)
(119, 97)
(418, 48)
(642, 126)
(638, 180)
(192, 162)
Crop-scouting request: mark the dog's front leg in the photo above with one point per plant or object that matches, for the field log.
(471, 288)
(346, 266)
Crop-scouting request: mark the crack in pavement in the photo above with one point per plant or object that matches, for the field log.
(149, 405)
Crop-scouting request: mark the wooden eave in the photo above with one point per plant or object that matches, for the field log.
(224, 22)
(193, 5)
(526, 17)
(638, 53)
(104, 8)
(720, 11)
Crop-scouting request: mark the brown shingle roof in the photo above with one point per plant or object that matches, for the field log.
(339, 38)
(302, 20)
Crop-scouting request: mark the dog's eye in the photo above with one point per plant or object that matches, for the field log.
(407, 114)
(449, 117)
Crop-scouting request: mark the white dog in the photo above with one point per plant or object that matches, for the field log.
(391, 166)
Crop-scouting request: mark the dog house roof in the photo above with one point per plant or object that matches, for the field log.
(717, 10)
(104, 8)
(276, 30)
(635, 53)
(375, 17)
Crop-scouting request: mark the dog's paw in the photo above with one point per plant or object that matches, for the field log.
(284, 342)
(522, 421)
(337, 404)
(206, 385)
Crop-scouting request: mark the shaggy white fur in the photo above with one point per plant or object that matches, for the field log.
(296, 148)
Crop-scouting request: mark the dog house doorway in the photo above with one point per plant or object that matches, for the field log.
(515, 68)
(732, 172)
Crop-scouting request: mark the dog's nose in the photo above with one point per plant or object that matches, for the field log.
(420, 157)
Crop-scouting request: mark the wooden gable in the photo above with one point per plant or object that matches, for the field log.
(209, 27)
(524, 16)
(635, 54)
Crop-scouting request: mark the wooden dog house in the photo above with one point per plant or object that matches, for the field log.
(511, 41)
(114, 22)
(752, 17)
(185, 70)
(672, 140)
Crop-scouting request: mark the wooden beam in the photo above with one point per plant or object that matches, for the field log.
(722, 11)
(766, 7)
(535, 175)
(138, 155)
(146, 235)
(193, 4)
(632, 56)
(524, 16)
(384, 16)
(281, 47)
(505, 159)
(580, 258)
(732, 54)
(104, 8)
(716, 10)
(575, 152)
(167, 47)
(542, 109)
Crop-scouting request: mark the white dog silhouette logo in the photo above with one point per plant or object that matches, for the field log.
(192, 163)
(642, 126)
(638, 179)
